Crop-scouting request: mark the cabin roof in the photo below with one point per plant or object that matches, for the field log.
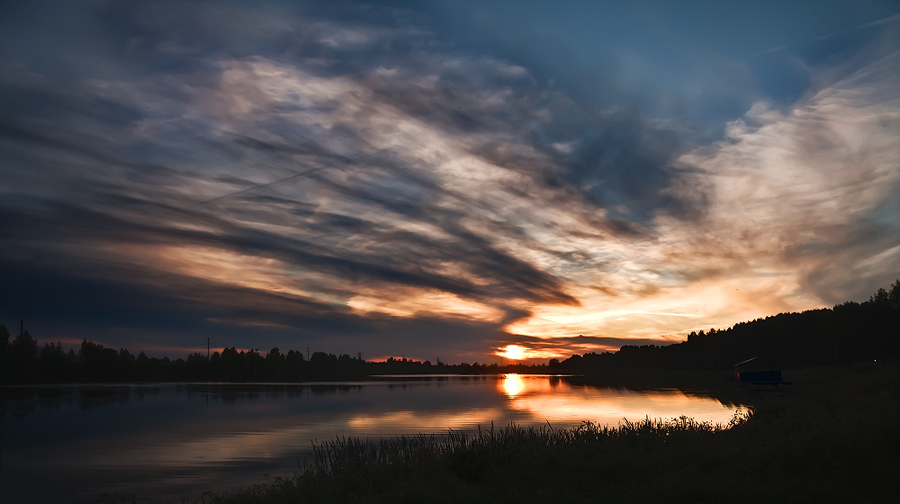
(758, 361)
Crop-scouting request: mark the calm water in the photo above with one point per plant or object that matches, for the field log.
(159, 441)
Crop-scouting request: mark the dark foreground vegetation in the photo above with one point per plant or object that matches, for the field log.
(831, 437)
(847, 333)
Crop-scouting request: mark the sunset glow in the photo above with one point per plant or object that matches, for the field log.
(514, 352)
(443, 180)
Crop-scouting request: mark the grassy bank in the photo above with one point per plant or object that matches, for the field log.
(830, 437)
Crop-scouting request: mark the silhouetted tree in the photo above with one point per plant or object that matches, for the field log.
(276, 366)
(22, 355)
(197, 367)
(5, 359)
(99, 364)
(145, 369)
(296, 366)
(55, 365)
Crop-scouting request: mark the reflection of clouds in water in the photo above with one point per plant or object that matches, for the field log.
(544, 398)
(278, 443)
(239, 446)
(413, 422)
(177, 442)
(522, 399)
(529, 399)
(202, 451)
(609, 406)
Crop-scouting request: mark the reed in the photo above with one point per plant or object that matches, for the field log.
(348, 469)
(345, 454)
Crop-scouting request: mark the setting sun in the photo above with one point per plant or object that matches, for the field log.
(514, 352)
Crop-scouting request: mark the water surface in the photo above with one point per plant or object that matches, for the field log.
(165, 441)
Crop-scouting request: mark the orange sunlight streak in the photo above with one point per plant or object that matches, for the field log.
(514, 352)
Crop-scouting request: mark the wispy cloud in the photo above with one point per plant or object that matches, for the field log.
(878, 22)
(356, 182)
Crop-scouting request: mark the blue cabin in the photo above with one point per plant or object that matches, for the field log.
(758, 371)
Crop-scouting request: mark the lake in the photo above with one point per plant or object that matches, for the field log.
(163, 441)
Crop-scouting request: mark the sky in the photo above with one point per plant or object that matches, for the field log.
(441, 180)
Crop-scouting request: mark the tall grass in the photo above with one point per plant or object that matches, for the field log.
(349, 469)
(353, 454)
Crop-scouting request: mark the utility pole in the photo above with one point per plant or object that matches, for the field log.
(21, 328)
(208, 370)
(307, 354)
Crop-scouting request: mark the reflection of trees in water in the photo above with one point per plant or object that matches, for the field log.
(20, 409)
(230, 392)
(21, 401)
(144, 391)
(332, 388)
(99, 402)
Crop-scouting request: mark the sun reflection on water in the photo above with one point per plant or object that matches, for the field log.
(549, 398)
(512, 385)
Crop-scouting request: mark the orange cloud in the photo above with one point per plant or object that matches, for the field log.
(414, 302)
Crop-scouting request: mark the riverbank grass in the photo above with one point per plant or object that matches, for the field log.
(490, 465)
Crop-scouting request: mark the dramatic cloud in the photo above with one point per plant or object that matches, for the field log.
(358, 178)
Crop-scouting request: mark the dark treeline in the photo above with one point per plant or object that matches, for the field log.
(849, 332)
(24, 361)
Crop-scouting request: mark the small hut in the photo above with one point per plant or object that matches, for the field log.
(758, 371)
